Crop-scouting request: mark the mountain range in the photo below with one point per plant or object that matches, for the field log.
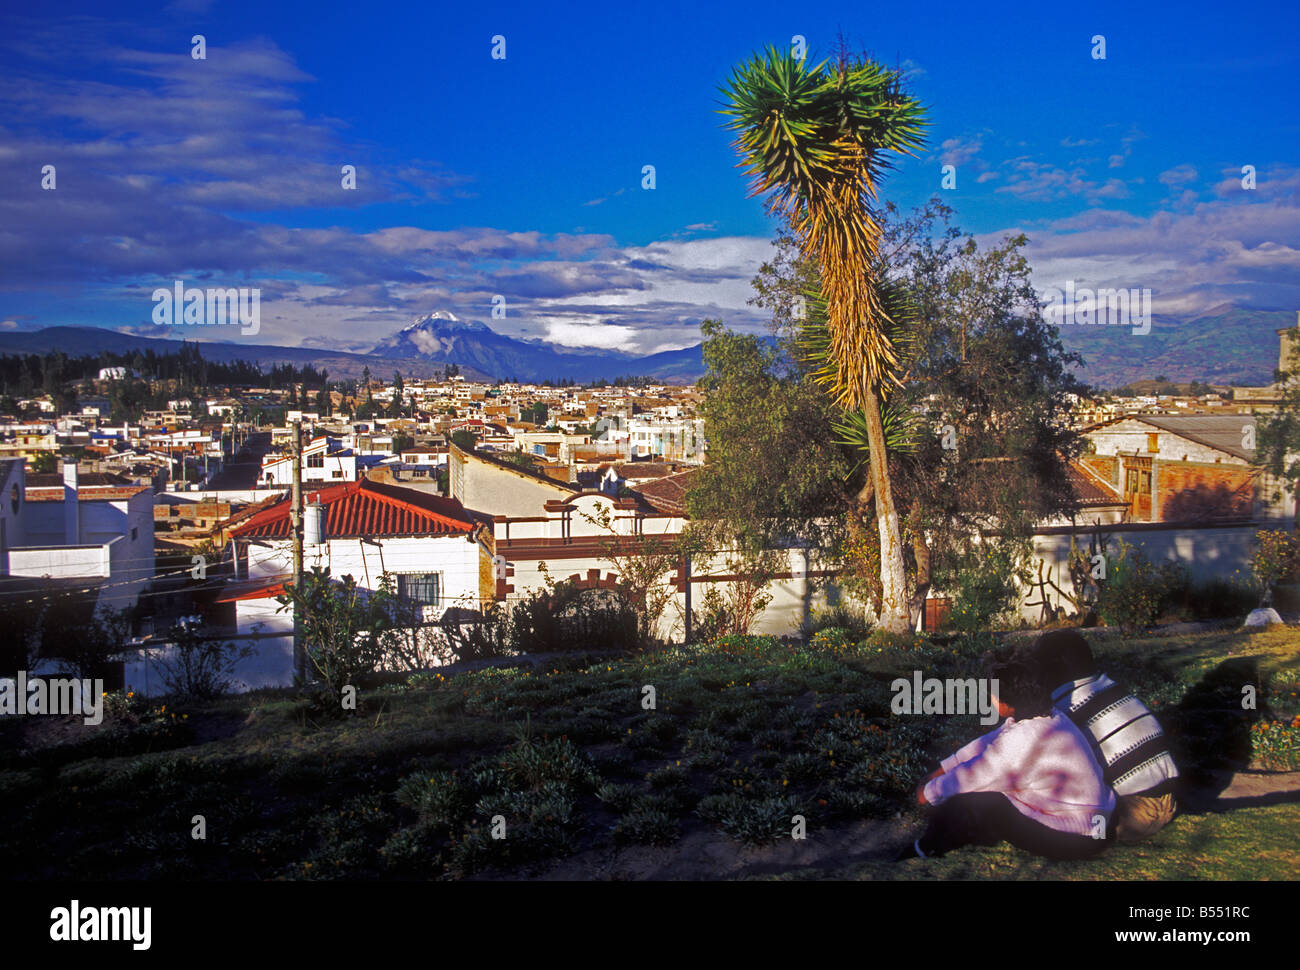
(1225, 345)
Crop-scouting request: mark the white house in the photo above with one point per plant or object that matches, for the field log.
(94, 542)
(101, 535)
(322, 461)
(438, 553)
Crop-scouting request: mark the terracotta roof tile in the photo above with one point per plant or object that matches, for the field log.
(667, 494)
(1090, 489)
(366, 508)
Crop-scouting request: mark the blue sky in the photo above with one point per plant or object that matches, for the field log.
(522, 177)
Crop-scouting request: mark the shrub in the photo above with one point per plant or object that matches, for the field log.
(752, 821)
(478, 635)
(529, 763)
(1276, 558)
(619, 797)
(1134, 591)
(831, 640)
(568, 618)
(343, 625)
(437, 798)
(984, 589)
(412, 848)
(1218, 597)
(648, 826)
(196, 666)
(72, 632)
(853, 624)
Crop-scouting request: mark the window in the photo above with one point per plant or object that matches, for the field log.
(1153, 443)
(337, 474)
(135, 533)
(316, 461)
(419, 588)
(1137, 481)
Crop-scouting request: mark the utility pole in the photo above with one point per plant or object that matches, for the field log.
(686, 588)
(295, 508)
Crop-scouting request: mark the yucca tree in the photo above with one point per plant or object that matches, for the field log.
(816, 141)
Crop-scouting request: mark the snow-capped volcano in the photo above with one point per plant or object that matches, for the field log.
(442, 321)
(441, 336)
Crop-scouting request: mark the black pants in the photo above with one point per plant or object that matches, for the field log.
(987, 818)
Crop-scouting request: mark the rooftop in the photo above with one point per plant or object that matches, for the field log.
(365, 508)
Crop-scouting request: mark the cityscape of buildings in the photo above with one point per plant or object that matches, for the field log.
(474, 492)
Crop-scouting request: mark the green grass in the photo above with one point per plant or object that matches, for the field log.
(747, 733)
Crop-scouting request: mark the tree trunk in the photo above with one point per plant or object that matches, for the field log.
(893, 608)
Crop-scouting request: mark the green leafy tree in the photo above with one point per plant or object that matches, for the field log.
(978, 435)
(342, 626)
(774, 468)
(464, 439)
(643, 564)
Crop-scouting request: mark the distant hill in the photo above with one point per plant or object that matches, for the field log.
(1225, 345)
(95, 340)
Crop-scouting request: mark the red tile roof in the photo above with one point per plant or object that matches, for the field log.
(267, 587)
(366, 508)
(1090, 488)
(667, 494)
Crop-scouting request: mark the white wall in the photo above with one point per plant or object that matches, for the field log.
(270, 664)
(1219, 551)
(455, 558)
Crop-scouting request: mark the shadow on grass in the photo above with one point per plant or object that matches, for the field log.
(1209, 731)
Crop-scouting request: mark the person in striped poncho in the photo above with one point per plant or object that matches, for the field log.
(1032, 781)
(1128, 741)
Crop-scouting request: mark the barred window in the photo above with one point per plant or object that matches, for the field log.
(419, 588)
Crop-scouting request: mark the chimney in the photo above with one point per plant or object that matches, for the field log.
(71, 508)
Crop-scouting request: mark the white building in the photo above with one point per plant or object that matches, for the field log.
(100, 534)
(437, 553)
(322, 461)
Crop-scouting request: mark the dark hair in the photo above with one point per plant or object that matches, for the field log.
(1022, 688)
(1063, 655)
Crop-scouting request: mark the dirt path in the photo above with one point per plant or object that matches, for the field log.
(1247, 789)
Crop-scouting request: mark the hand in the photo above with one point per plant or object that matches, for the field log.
(920, 794)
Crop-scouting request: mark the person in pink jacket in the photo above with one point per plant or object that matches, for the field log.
(1032, 781)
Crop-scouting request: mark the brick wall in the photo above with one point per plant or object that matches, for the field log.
(1106, 466)
(1195, 492)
